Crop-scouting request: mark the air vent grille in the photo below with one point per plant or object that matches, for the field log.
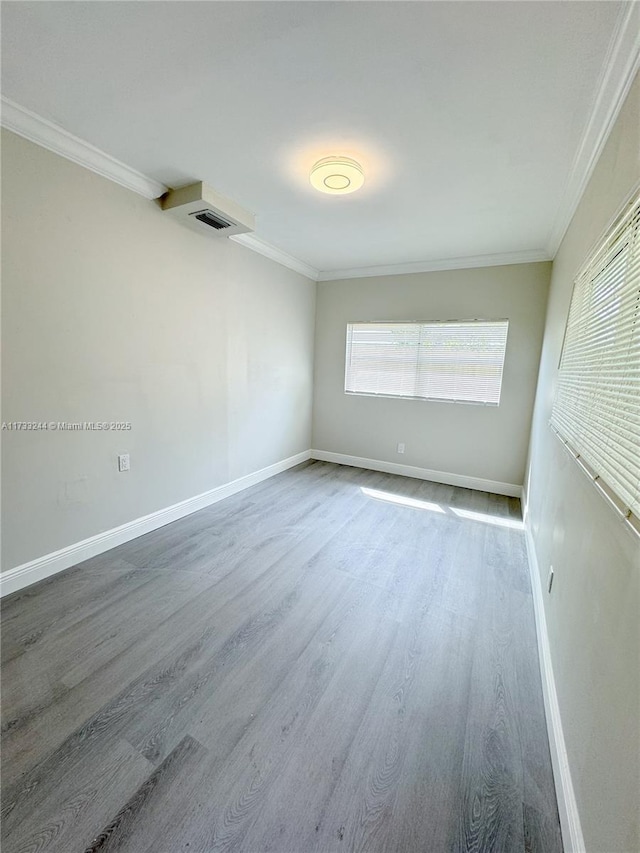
(204, 210)
(208, 217)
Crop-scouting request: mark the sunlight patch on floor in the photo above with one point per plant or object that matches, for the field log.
(389, 497)
(485, 518)
(467, 514)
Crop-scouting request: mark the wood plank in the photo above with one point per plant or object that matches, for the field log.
(491, 785)
(541, 831)
(236, 789)
(147, 805)
(212, 700)
(74, 809)
(334, 660)
(28, 614)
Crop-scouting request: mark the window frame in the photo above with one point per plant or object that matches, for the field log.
(418, 398)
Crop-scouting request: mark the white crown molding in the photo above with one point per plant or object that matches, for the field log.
(50, 564)
(55, 138)
(262, 248)
(620, 68)
(45, 133)
(497, 260)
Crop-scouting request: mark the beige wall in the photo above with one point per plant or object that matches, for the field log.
(469, 440)
(593, 613)
(113, 311)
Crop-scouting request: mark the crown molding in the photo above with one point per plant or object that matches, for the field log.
(619, 71)
(262, 248)
(53, 137)
(48, 135)
(620, 68)
(497, 260)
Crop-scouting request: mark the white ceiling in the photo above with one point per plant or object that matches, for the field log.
(467, 117)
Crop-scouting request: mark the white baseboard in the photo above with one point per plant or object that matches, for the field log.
(40, 568)
(420, 473)
(572, 837)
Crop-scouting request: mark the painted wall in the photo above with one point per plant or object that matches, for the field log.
(469, 440)
(593, 613)
(114, 312)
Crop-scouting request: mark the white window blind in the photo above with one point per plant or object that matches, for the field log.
(597, 403)
(460, 361)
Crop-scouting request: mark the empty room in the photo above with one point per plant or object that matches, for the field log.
(320, 426)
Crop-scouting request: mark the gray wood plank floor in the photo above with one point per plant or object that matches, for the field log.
(335, 660)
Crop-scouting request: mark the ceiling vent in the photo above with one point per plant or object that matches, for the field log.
(204, 210)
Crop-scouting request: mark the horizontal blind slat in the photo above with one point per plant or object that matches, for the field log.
(597, 402)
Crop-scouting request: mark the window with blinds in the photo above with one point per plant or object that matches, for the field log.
(459, 361)
(596, 409)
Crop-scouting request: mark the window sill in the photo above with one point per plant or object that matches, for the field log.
(420, 399)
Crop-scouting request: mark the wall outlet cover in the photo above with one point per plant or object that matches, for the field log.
(124, 463)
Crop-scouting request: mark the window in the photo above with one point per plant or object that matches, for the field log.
(596, 410)
(458, 361)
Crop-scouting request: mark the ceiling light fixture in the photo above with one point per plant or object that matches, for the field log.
(337, 175)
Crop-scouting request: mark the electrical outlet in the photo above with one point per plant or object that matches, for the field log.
(124, 463)
(401, 447)
(550, 581)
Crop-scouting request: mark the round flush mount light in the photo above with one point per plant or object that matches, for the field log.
(337, 175)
